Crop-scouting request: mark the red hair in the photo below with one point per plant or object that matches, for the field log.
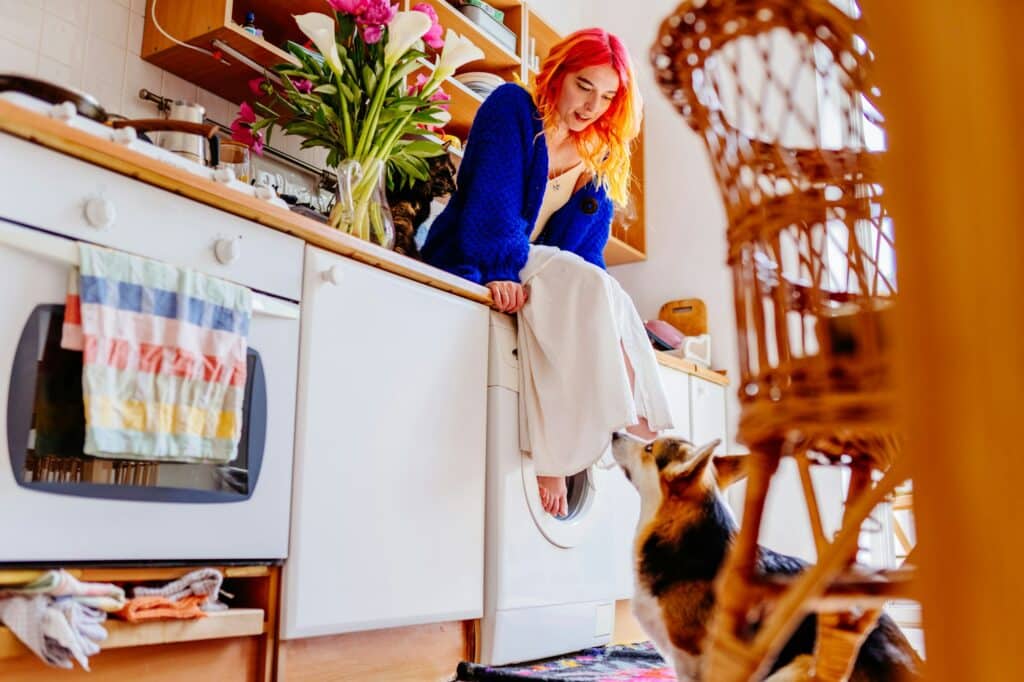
(604, 145)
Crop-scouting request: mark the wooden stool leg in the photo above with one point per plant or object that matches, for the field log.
(840, 636)
(727, 657)
(790, 607)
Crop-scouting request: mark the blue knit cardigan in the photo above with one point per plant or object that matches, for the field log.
(483, 234)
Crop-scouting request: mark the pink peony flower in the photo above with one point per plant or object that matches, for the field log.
(256, 86)
(353, 7)
(372, 34)
(377, 13)
(303, 85)
(241, 129)
(433, 37)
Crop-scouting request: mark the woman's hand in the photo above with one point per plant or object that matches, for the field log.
(509, 297)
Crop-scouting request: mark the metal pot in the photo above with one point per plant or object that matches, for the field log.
(193, 130)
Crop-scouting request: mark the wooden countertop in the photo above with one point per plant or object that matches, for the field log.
(112, 156)
(675, 362)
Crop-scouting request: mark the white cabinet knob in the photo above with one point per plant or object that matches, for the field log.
(65, 111)
(100, 212)
(227, 251)
(124, 135)
(334, 275)
(263, 192)
(224, 175)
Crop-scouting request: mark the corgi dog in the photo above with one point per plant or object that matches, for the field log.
(684, 533)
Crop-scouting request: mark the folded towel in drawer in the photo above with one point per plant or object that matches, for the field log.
(164, 358)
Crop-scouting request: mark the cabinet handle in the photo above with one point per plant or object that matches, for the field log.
(333, 275)
(227, 251)
(100, 213)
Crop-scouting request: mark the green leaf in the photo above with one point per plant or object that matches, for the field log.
(369, 79)
(265, 110)
(327, 89)
(423, 149)
(263, 123)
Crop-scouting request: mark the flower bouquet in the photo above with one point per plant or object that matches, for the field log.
(353, 99)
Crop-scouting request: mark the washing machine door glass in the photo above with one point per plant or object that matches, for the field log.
(584, 506)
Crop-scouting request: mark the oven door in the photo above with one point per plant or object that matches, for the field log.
(63, 505)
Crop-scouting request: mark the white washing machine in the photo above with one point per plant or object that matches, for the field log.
(550, 584)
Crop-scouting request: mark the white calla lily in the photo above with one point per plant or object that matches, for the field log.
(403, 32)
(441, 118)
(320, 29)
(458, 50)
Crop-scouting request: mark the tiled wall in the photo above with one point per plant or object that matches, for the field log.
(93, 46)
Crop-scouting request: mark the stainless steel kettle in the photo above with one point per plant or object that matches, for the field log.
(184, 144)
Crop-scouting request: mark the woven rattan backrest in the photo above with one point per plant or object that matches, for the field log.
(780, 92)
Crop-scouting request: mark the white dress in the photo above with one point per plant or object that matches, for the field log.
(573, 385)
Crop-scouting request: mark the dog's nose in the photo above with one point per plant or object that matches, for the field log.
(616, 436)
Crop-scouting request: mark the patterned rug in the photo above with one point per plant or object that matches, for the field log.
(602, 664)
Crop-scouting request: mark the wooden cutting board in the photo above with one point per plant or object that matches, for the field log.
(688, 315)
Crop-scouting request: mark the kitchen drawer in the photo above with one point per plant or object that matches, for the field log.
(57, 199)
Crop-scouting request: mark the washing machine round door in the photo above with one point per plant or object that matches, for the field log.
(585, 505)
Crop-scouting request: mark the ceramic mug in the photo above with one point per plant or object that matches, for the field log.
(697, 349)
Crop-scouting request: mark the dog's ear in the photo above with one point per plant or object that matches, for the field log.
(694, 464)
(730, 469)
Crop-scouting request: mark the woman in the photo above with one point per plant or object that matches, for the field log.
(534, 206)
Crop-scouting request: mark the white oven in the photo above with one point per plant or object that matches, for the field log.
(58, 506)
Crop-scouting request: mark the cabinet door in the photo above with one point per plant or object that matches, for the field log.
(707, 412)
(677, 390)
(388, 500)
(626, 500)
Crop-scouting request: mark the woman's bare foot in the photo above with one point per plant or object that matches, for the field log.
(642, 430)
(554, 496)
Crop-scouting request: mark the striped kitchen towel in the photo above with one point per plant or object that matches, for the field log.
(164, 358)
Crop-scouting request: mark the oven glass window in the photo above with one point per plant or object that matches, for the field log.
(46, 432)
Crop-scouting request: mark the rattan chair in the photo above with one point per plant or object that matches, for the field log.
(779, 91)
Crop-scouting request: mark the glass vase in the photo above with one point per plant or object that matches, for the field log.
(360, 202)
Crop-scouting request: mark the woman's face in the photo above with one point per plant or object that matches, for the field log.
(586, 95)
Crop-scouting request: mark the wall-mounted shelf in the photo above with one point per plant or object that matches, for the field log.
(462, 106)
(497, 58)
(540, 35)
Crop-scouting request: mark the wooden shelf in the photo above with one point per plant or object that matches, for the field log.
(496, 57)
(618, 252)
(120, 634)
(544, 35)
(462, 106)
(230, 81)
(505, 5)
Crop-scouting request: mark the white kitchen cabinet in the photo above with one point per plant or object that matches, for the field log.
(707, 412)
(677, 390)
(388, 499)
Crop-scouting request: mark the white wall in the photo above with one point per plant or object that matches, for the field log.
(566, 15)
